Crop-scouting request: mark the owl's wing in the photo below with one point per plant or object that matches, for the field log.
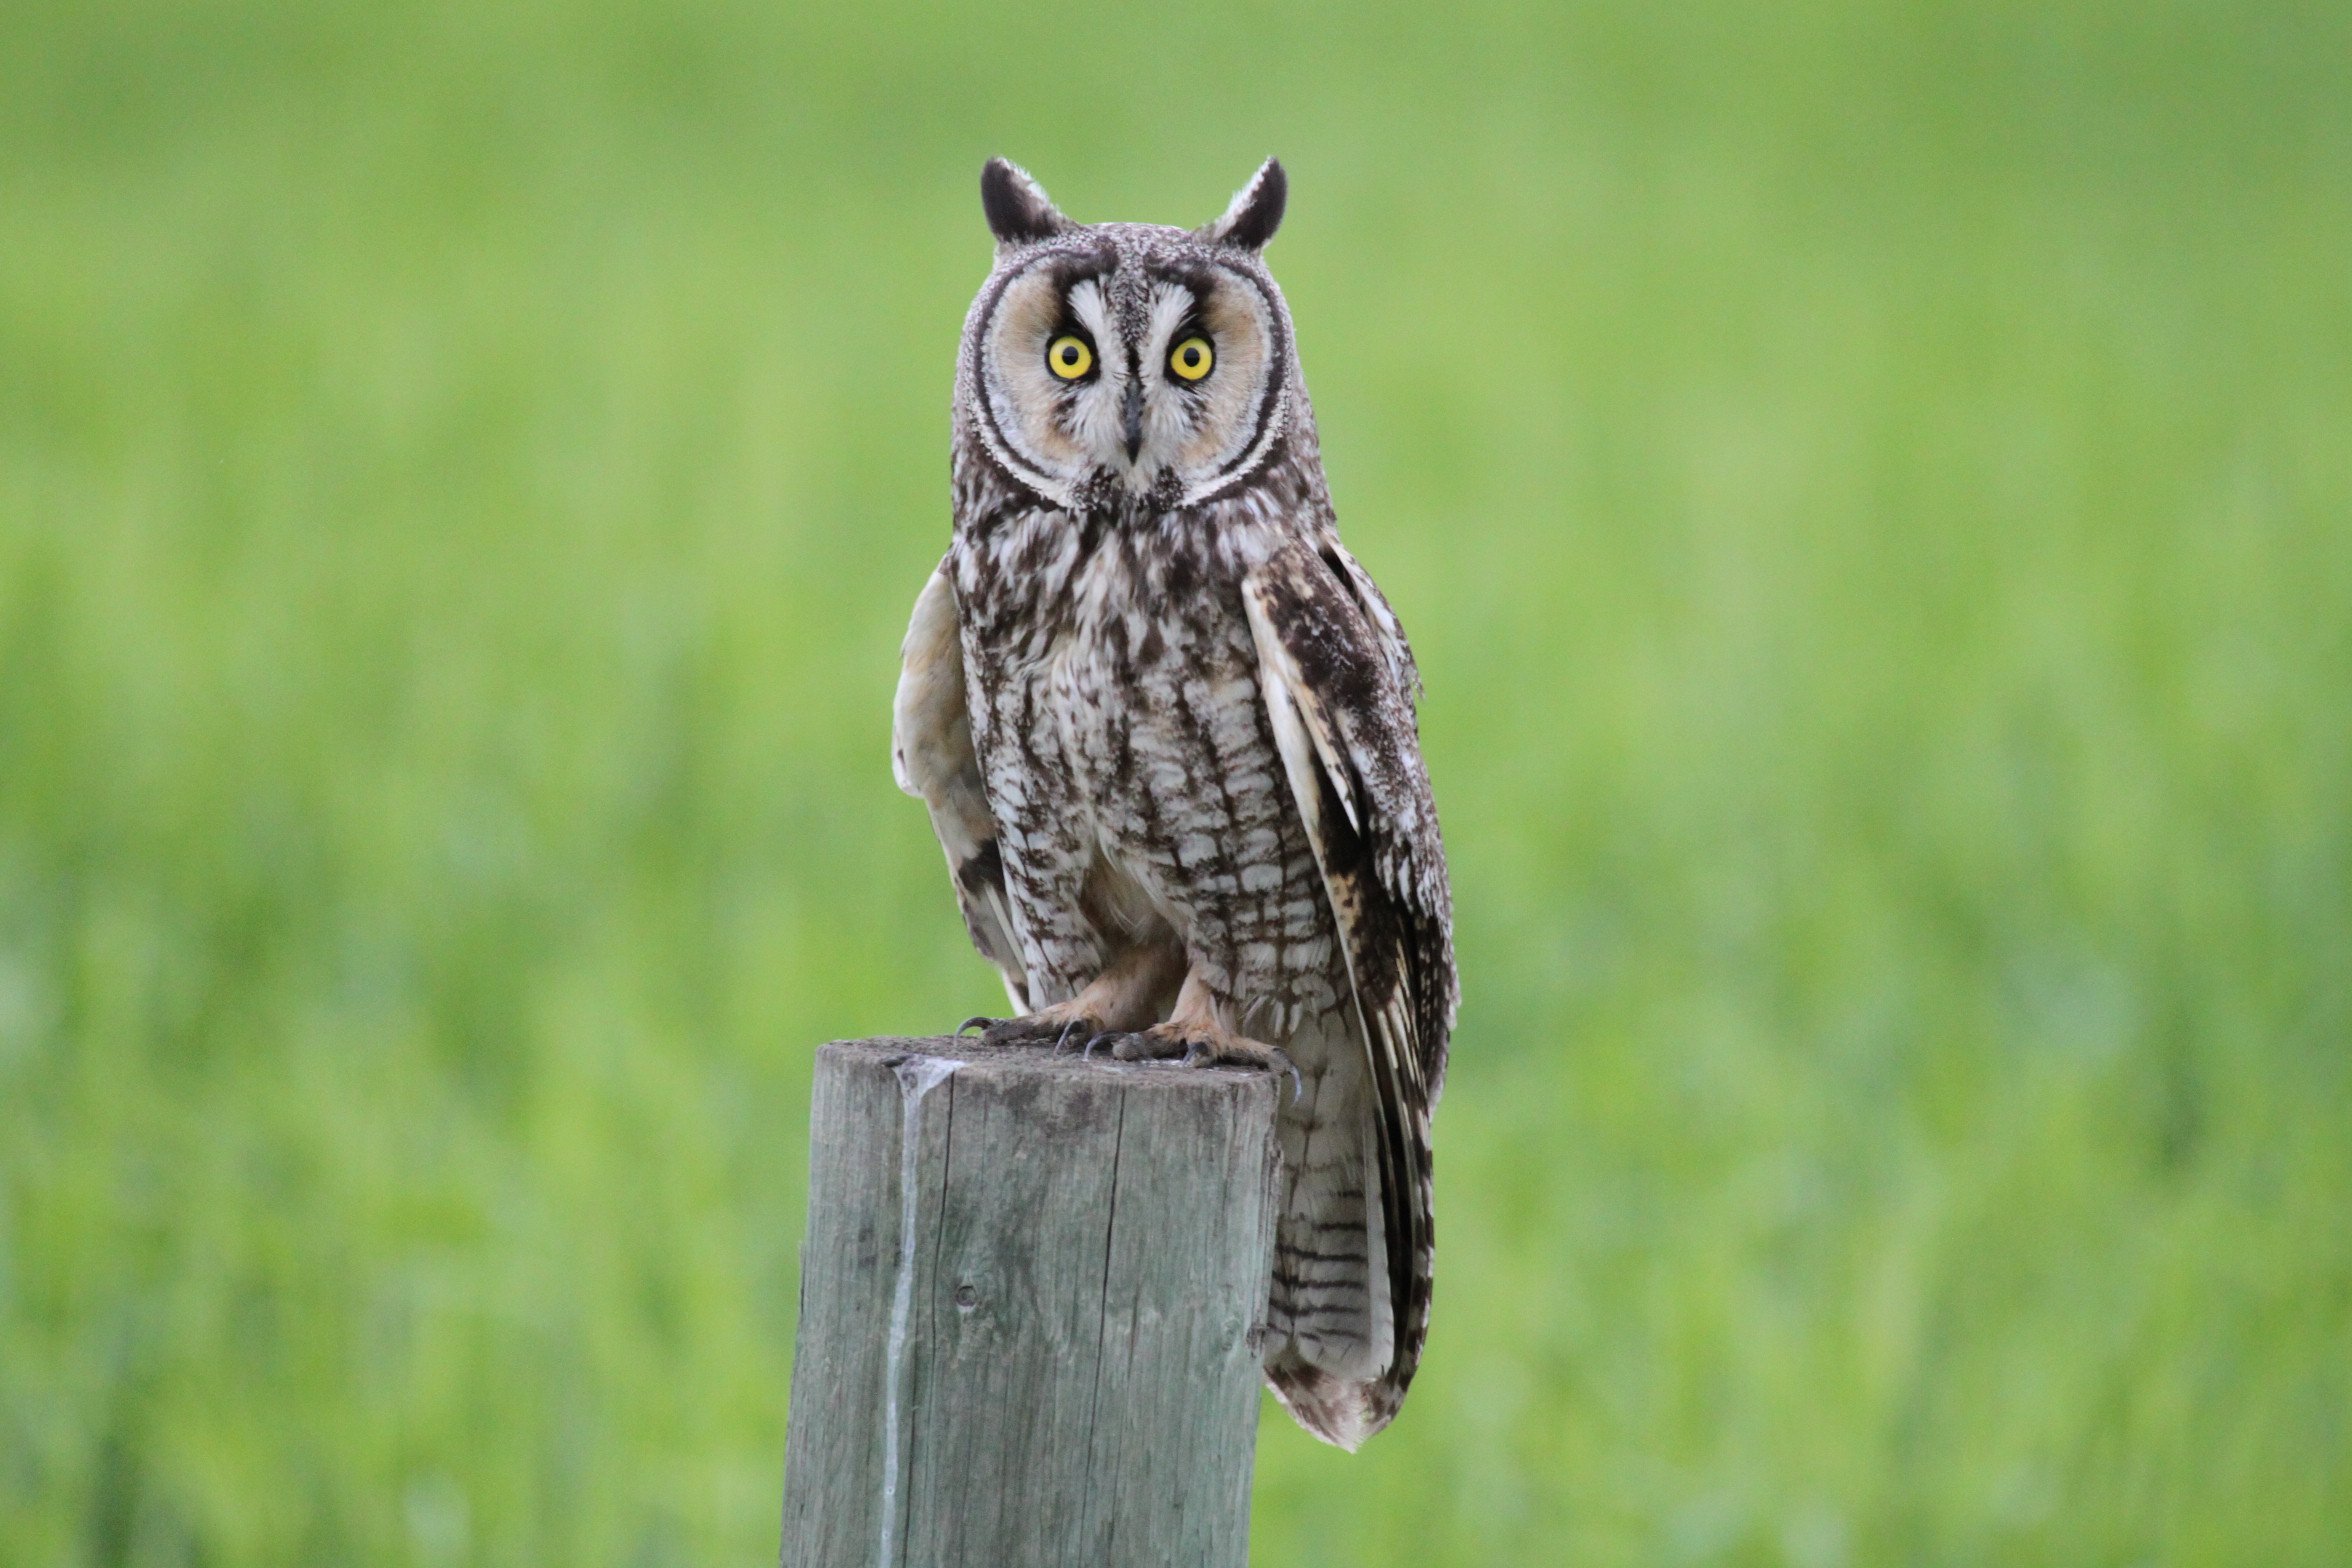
(1387, 631)
(1338, 681)
(932, 758)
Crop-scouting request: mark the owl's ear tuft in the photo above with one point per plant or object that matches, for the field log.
(1019, 211)
(1256, 211)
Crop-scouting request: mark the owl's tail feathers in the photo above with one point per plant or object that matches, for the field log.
(1345, 1406)
(1348, 1308)
(1341, 1366)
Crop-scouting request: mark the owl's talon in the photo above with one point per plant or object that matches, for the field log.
(980, 1021)
(1277, 1060)
(1280, 1061)
(1063, 1037)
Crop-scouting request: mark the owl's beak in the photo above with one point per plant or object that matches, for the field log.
(1134, 417)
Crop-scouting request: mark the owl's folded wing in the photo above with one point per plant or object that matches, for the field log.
(1338, 681)
(1334, 676)
(931, 756)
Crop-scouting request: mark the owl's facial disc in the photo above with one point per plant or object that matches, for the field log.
(1149, 379)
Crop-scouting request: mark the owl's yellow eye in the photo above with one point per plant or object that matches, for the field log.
(1069, 358)
(1191, 358)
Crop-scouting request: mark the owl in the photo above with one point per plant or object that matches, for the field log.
(1165, 728)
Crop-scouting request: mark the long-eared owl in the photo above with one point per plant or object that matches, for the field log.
(1164, 724)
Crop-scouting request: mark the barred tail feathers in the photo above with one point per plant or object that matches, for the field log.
(1348, 1249)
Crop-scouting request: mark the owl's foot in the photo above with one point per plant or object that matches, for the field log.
(1131, 991)
(1197, 1045)
(1057, 1027)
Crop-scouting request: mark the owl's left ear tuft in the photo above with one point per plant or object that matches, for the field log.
(1019, 211)
(1256, 212)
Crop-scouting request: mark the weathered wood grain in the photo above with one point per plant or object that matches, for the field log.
(1081, 1302)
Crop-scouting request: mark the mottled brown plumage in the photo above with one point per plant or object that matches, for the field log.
(1164, 725)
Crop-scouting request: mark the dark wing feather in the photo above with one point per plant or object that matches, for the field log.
(932, 758)
(1422, 848)
(1337, 679)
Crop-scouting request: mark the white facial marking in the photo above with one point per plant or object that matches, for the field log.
(1095, 420)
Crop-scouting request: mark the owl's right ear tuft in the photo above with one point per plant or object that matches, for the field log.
(1019, 211)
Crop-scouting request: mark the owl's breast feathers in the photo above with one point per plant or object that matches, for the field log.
(1113, 699)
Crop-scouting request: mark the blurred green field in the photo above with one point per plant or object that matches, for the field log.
(1872, 491)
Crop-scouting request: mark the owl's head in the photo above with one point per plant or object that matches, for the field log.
(1127, 357)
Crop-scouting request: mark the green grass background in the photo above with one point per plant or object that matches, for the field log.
(1871, 487)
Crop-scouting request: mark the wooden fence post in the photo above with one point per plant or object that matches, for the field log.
(1030, 1306)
